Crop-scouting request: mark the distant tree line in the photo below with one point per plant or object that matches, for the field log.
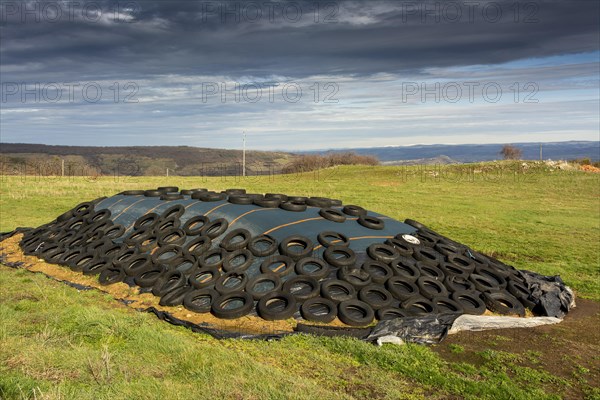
(311, 162)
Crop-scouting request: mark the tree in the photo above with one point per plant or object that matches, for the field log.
(510, 152)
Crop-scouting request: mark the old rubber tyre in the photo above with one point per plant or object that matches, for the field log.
(348, 256)
(252, 285)
(259, 251)
(355, 313)
(219, 305)
(338, 239)
(318, 309)
(200, 300)
(276, 306)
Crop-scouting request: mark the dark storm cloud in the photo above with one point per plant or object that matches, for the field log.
(136, 39)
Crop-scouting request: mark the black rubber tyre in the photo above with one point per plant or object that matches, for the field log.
(297, 199)
(348, 256)
(235, 191)
(383, 252)
(215, 228)
(400, 246)
(414, 224)
(321, 202)
(148, 278)
(259, 251)
(223, 284)
(209, 196)
(276, 306)
(355, 313)
(518, 289)
(355, 211)
(332, 214)
(184, 264)
(99, 216)
(450, 269)
(137, 237)
(146, 221)
(318, 309)
(297, 285)
(446, 305)
(378, 271)
(470, 301)
(493, 275)
(503, 303)
(219, 305)
(114, 231)
(433, 272)
(375, 296)
(338, 239)
(198, 246)
(463, 262)
(173, 236)
(229, 244)
(96, 266)
(153, 193)
(337, 290)
(302, 267)
(168, 189)
(171, 196)
(419, 305)
(200, 300)
(267, 203)
(431, 287)
(138, 264)
(228, 261)
(456, 283)
(164, 224)
(111, 275)
(287, 246)
(242, 199)
(386, 313)
(282, 197)
(216, 255)
(285, 261)
(401, 289)
(194, 225)
(448, 249)
(428, 256)
(201, 278)
(253, 285)
(483, 283)
(406, 268)
(368, 221)
(295, 206)
(357, 277)
(427, 239)
(168, 282)
(132, 193)
(166, 254)
(174, 297)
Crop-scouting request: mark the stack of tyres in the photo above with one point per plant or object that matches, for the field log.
(231, 266)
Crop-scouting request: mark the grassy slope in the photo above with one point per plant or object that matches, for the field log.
(61, 343)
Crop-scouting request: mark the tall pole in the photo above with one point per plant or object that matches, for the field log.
(244, 154)
(541, 157)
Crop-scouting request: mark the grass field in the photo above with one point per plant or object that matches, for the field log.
(58, 342)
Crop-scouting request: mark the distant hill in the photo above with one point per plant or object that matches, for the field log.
(136, 160)
(477, 152)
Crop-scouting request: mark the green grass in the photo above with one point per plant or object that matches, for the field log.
(58, 342)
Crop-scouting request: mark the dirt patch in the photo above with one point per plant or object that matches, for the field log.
(569, 350)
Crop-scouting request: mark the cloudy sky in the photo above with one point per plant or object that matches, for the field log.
(298, 75)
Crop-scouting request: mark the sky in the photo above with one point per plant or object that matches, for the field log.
(298, 75)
